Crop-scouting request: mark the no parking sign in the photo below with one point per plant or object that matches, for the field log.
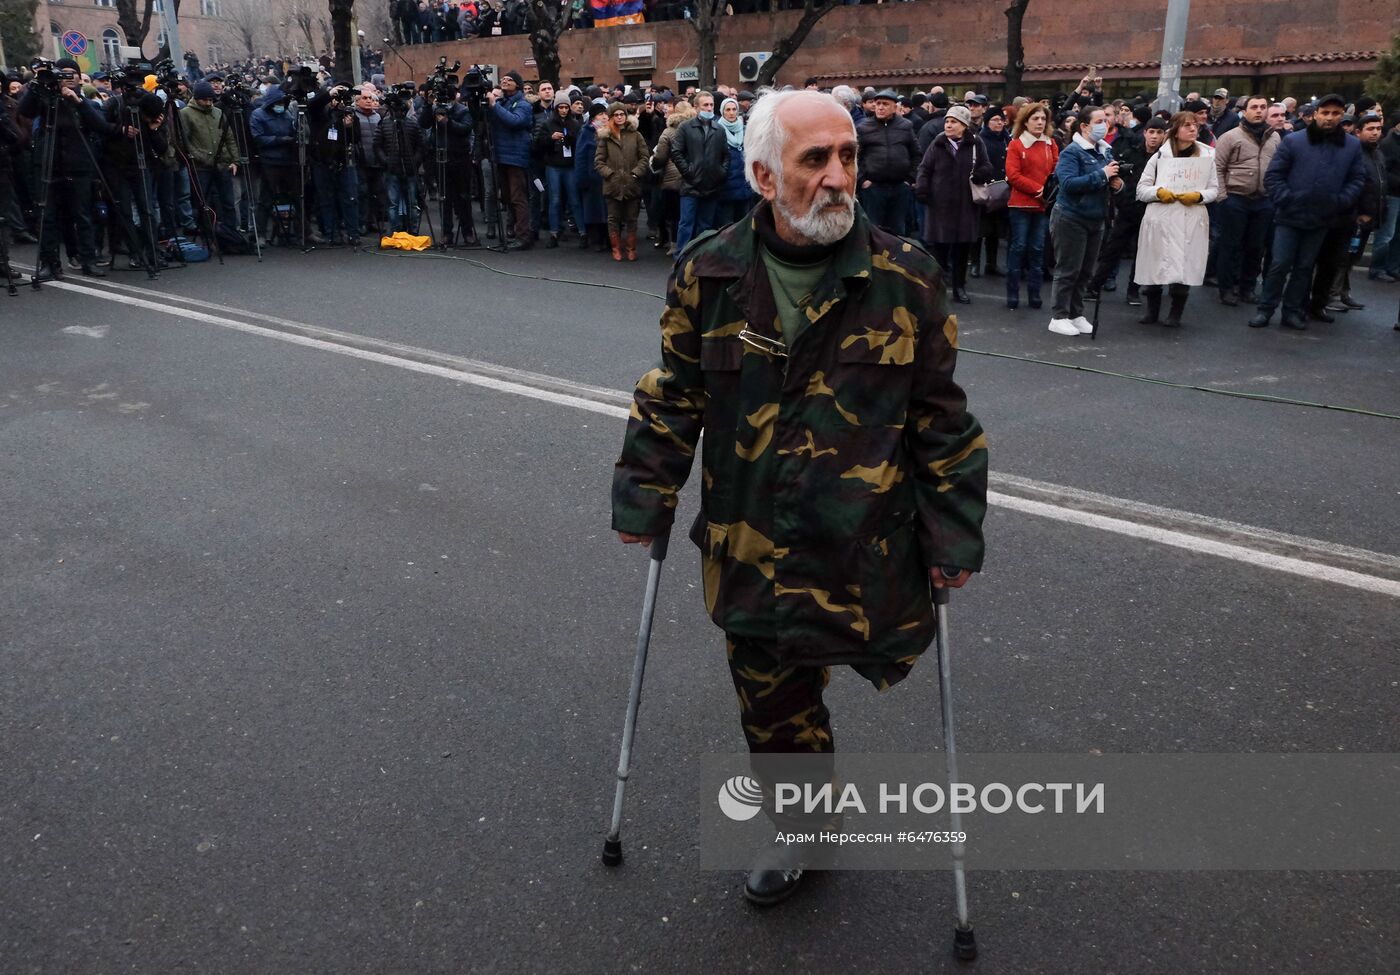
(75, 43)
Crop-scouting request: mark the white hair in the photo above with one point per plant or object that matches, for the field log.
(846, 95)
(765, 136)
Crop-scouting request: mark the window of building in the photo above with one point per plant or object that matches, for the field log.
(209, 8)
(111, 46)
(215, 52)
(106, 3)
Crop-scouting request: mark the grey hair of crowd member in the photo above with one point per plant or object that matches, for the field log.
(846, 95)
(765, 136)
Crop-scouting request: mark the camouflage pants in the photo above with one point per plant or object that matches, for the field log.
(780, 707)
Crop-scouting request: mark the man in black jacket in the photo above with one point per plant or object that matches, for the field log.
(448, 125)
(334, 131)
(9, 142)
(1129, 150)
(886, 163)
(400, 140)
(701, 154)
(70, 192)
(1385, 252)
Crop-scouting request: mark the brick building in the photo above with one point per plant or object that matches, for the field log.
(1279, 47)
(201, 29)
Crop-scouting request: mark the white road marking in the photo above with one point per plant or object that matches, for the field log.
(1268, 552)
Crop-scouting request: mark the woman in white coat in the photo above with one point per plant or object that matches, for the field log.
(1174, 241)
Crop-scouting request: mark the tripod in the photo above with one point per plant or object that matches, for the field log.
(206, 223)
(303, 137)
(47, 152)
(488, 153)
(440, 155)
(144, 175)
(233, 110)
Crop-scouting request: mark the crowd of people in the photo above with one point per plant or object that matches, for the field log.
(1271, 203)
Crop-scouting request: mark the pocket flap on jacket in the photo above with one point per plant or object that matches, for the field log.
(887, 344)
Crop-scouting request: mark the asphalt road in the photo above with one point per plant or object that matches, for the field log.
(316, 663)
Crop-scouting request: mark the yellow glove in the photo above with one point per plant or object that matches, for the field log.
(1189, 199)
(1165, 195)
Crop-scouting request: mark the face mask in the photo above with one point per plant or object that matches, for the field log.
(1132, 123)
(1098, 130)
(707, 116)
(279, 109)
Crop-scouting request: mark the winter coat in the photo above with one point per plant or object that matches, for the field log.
(1174, 239)
(1083, 191)
(1390, 159)
(736, 186)
(401, 154)
(77, 122)
(1313, 184)
(512, 130)
(1371, 202)
(997, 143)
(942, 186)
(274, 133)
(202, 129)
(621, 160)
(889, 151)
(457, 132)
(834, 478)
(550, 151)
(661, 162)
(367, 151)
(701, 154)
(1029, 163)
(1241, 161)
(590, 184)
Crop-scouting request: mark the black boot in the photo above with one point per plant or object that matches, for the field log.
(1178, 305)
(776, 874)
(1152, 297)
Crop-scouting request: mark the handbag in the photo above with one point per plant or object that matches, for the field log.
(991, 196)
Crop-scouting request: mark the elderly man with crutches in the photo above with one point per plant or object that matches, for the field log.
(842, 474)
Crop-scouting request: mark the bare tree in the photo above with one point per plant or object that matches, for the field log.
(133, 24)
(342, 28)
(246, 22)
(302, 15)
(709, 14)
(547, 20)
(1015, 50)
(812, 11)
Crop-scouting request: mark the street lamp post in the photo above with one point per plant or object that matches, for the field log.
(1173, 52)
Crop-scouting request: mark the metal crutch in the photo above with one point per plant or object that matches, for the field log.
(612, 846)
(964, 940)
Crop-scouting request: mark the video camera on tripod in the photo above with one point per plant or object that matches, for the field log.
(477, 78)
(443, 84)
(399, 98)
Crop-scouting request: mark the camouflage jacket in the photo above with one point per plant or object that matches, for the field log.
(833, 477)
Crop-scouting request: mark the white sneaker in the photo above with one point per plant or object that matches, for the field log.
(1063, 326)
(1084, 325)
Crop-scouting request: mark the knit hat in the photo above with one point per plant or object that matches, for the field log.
(66, 64)
(1194, 105)
(515, 76)
(203, 90)
(151, 106)
(617, 107)
(595, 108)
(960, 113)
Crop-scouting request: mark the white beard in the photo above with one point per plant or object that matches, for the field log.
(816, 225)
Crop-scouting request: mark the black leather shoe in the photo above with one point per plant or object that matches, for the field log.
(1294, 322)
(91, 271)
(974, 271)
(1249, 297)
(1321, 315)
(1110, 285)
(1229, 298)
(1351, 302)
(1260, 320)
(50, 272)
(960, 296)
(776, 875)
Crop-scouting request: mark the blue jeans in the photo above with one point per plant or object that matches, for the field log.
(1027, 245)
(1244, 232)
(1295, 254)
(337, 199)
(887, 206)
(1385, 249)
(563, 181)
(402, 201)
(216, 190)
(697, 216)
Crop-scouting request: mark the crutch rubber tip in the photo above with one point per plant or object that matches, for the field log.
(964, 943)
(612, 852)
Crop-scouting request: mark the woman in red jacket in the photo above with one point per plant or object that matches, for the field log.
(1030, 161)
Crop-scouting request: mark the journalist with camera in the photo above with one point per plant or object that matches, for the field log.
(70, 127)
(400, 140)
(449, 126)
(140, 150)
(334, 134)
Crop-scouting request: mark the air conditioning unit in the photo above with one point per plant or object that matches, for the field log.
(750, 62)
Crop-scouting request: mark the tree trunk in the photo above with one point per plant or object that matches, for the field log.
(546, 21)
(1015, 51)
(812, 11)
(341, 16)
(133, 26)
(708, 15)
